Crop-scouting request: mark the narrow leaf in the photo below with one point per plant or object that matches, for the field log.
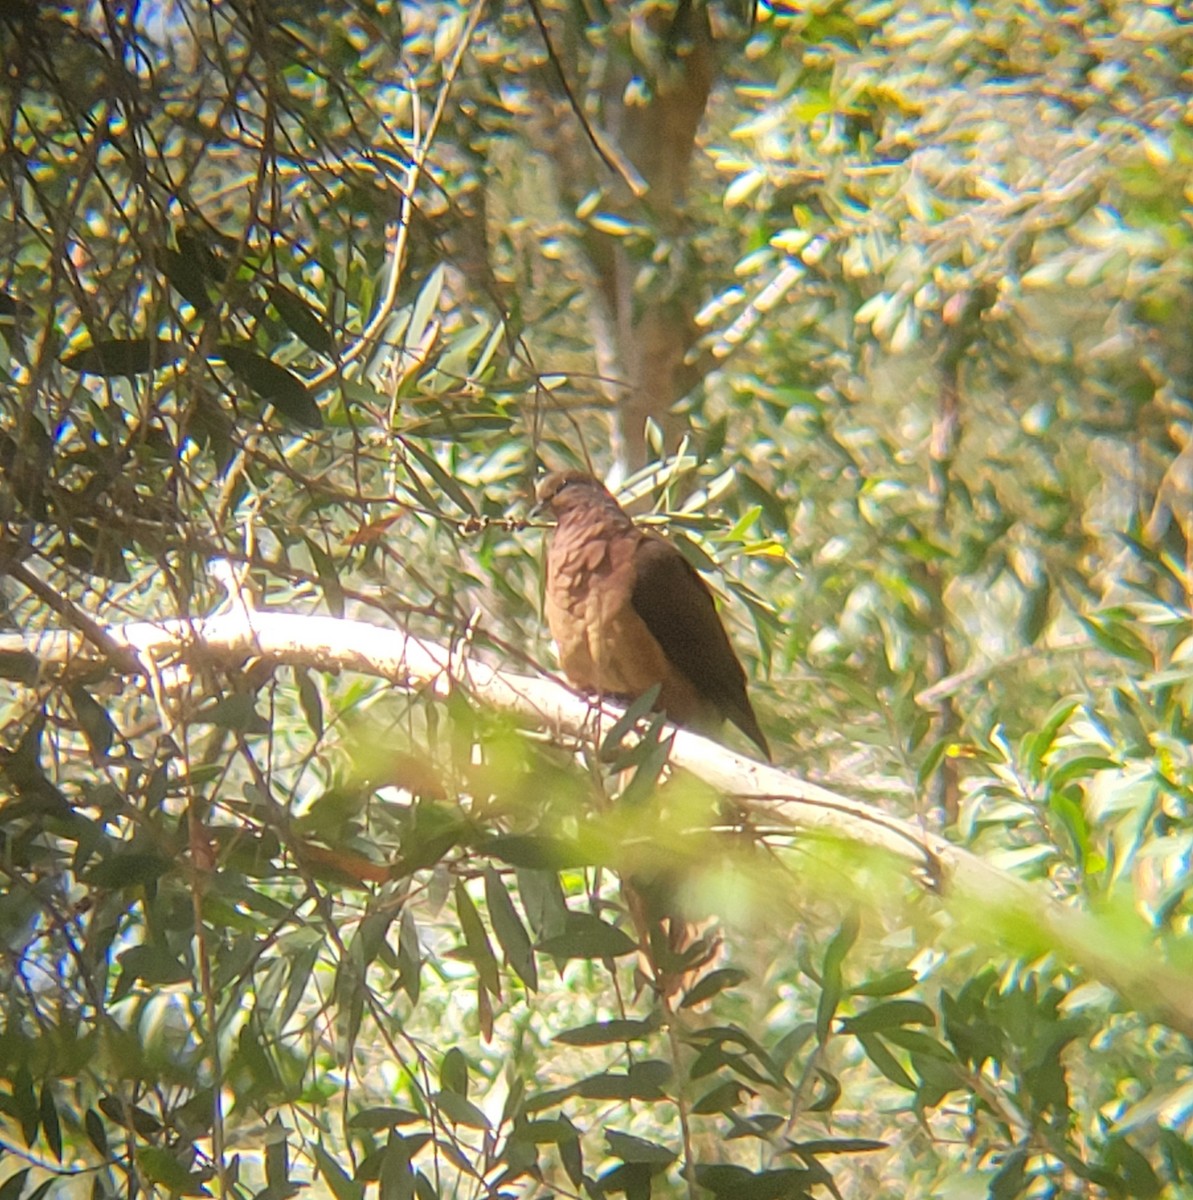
(272, 383)
(124, 358)
(511, 933)
(301, 319)
(480, 950)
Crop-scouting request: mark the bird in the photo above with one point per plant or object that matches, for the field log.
(628, 611)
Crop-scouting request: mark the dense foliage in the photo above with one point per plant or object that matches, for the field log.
(881, 309)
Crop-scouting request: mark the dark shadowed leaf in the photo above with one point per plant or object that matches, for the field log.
(272, 383)
(586, 936)
(604, 1033)
(185, 274)
(633, 1149)
(480, 949)
(383, 1118)
(712, 983)
(888, 1015)
(124, 358)
(93, 719)
(310, 699)
(128, 869)
(301, 319)
(342, 1185)
(831, 984)
(877, 1052)
(329, 578)
(511, 933)
(731, 1182)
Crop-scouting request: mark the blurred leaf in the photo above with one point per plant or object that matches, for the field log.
(309, 698)
(342, 1185)
(301, 319)
(888, 1015)
(586, 936)
(453, 1072)
(185, 273)
(712, 983)
(128, 868)
(384, 1117)
(329, 579)
(273, 384)
(603, 1033)
(633, 1149)
(480, 951)
(460, 1111)
(124, 358)
(511, 933)
(877, 1052)
(890, 984)
(161, 1167)
(831, 984)
(97, 726)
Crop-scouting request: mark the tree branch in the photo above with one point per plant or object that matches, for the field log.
(988, 903)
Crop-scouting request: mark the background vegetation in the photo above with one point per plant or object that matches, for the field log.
(882, 309)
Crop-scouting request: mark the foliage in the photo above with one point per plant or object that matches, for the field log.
(309, 291)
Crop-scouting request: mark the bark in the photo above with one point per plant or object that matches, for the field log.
(655, 80)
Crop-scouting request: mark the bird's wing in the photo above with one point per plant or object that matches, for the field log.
(677, 608)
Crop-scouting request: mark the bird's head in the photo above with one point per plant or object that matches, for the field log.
(563, 492)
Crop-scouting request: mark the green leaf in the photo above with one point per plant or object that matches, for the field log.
(460, 1111)
(586, 936)
(732, 1182)
(1116, 637)
(309, 698)
(712, 983)
(329, 578)
(12, 1187)
(384, 1117)
(511, 933)
(890, 984)
(891, 1013)
(277, 1162)
(194, 247)
(723, 1098)
(425, 305)
(24, 1102)
(153, 964)
(50, 1125)
(480, 949)
(633, 1149)
(237, 711)
(446, 484)
(831, 984)
(128, 869)
(1036, 610)
(97, 1134)
(301, 319)
(185, 275)
(273, 384)
(453, 1072)
(1007, 1184)
(604, 1033)
(343, 1186)
(827, 1100)
(539, 851)
(98, 728)
(885, 1061)
(409, 956)
(161, 1167)
(836, 1146)
(643, 1081)
(124, 357)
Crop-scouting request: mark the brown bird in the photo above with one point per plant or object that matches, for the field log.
(628, 611)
